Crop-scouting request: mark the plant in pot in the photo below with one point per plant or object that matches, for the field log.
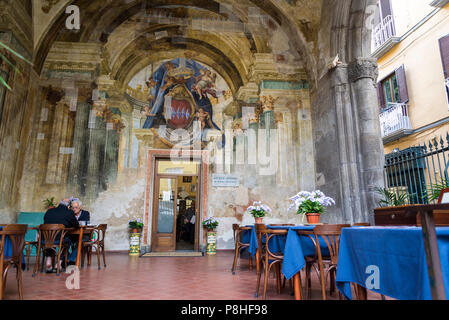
(135, 226)
(258, 211)
(210, 224)
(49, 203)
(311, 204)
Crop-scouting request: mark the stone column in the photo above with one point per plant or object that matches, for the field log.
(111, 157)
(363, 75)
(349, 167)
(97, 137)
(76, 170)
(267, 124)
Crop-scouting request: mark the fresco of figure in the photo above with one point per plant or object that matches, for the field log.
(205, 83)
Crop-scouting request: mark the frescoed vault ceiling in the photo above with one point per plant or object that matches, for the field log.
(133, 32)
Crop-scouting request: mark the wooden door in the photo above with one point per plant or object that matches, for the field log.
(164, 214)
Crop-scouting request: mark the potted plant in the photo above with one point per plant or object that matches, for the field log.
(211, 224)
(311, 204)
(258, 211)
(135, 227)
(49, 203)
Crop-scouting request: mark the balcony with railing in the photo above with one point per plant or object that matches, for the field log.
(395, 122)
(384, 36)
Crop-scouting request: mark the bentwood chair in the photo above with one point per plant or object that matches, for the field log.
(325, 265)
(14, 234)
(51, 242)
(97, 244)
(268, 259)
(29, 245)
(239, 245)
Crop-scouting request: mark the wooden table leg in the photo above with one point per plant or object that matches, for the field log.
(432, 256)
(297, 285)
(80, 246)
(257, 260)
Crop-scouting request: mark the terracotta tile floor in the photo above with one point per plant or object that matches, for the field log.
(156, 278)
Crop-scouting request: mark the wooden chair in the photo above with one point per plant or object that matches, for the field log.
(267, 258)
(51, 241)
(29, 245)
(330, 234)
(237, 230)
(97, 244)
(16, 235)
(282, 225)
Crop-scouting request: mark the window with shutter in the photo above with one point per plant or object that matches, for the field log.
(389, 91)
(444, 49)
(385, 8)
(402, 84)
(380, 96)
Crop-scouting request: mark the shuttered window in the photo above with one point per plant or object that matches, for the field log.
(385, 8)
(393, 89)
(444, 48)
(402, 84)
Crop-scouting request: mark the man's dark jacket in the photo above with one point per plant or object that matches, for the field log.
(61, 215)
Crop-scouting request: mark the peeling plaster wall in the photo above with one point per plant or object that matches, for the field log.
(125, 201)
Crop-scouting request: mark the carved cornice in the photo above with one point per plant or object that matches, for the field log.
(363, 68)
(75, 52)
(264, 67)
(249, 92)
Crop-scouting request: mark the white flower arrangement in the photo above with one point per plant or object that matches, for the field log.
(310, 202)
(258, 210)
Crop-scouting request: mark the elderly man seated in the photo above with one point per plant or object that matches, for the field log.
(82, 216)
(60, 215)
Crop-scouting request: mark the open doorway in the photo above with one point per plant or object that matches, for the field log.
(186, 219)
(176, 209)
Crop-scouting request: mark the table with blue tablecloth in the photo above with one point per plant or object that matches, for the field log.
(395, 255)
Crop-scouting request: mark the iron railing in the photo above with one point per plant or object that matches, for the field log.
(384, 31)
(419, 171)
(395, 119)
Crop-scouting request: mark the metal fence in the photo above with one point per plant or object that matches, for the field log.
(419, 172)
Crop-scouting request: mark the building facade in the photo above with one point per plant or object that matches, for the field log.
(411, 42)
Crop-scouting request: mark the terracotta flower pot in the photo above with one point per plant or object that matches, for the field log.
(258, 220)
(313, 218)
(135, 230)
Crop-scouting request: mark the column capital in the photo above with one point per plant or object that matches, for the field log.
(363, 68)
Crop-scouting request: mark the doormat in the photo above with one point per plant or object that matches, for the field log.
(173, 254)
